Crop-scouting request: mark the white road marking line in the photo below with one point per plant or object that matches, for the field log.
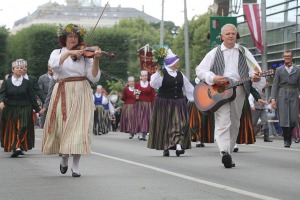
(269, 147)
(212, 184)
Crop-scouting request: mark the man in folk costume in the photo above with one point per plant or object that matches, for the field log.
(104, 109)
(285, 94)
(169, 122)
(229, 60)
(145, 97)
(128, 120)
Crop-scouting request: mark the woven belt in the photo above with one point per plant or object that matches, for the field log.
(61, 93)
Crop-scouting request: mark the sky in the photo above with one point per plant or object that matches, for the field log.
(13, 10)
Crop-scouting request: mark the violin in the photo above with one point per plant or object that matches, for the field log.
(89, 52)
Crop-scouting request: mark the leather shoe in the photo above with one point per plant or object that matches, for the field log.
(232, 164)
(63, 170)
(166, 153)
(287, 144)
(75, 174)
(200, 145)
(236, 149)
(178, 152)
(227, 160)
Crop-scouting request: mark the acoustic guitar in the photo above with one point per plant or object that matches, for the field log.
(209, 98)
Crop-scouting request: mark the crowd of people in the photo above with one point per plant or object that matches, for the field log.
(161, 106)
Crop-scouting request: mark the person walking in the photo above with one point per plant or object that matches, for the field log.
(17, 100)
(285, 94)
(69, 122)
(143, 106)
(229, 60)
(128, 120)
(169, 122)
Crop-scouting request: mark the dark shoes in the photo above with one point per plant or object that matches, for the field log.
(235, 149)
(142, 139)
(166, 153)
(63, 170)
(178, 152)
(200, 145)
(227, 160)
(287, 144)
(75, 174)
(16, 153)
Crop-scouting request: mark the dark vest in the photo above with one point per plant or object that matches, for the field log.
(171, 87)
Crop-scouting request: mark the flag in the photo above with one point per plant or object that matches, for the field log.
(251, 12)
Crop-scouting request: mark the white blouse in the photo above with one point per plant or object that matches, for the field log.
(70, 68)
(188, 89)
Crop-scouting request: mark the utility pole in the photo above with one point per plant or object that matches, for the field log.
(186, 44)
(161, 40)
(264, 61)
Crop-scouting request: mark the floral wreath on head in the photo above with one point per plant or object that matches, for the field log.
(70, 28)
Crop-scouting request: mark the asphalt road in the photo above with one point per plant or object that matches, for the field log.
(119, 168)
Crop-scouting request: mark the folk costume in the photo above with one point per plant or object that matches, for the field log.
(104, 109)
(143, 106)
(69, 122)
(201, 126)
(17, 123)
(228, 62)
(169, 122)
(128, 120)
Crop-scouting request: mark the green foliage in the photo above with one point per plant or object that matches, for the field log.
(4, 65)
(114, 87)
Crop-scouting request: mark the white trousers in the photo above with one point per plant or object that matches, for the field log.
(227, 121)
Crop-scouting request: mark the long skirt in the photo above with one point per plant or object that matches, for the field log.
(296, 132)
(201, 126)
(143, 112)
(169, 125)
(128, 120)
(72, 136)
(17, 128)
(101, 120)
(246, 133)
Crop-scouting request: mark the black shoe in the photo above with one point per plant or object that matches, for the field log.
(200, 145)
(130, 137)
(226, 159)
(14, 154)
(63, 170)
(287, 144)
(75, 174)
(235, 149)
(232, 164)
(178, 152)
(166, 153)
(143, 139)
(267, 140)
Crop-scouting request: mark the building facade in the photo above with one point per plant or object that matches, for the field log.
(83, 12)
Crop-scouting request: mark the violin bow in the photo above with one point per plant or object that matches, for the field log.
(88, 39)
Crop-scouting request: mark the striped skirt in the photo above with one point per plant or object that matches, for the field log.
(201, 126)
(128, 120)
(169, 125)
(17, 128)
(72, 136)
(101, 120)
(143, 112)
(246, 133)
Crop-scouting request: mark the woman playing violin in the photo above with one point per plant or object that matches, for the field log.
(69, 121)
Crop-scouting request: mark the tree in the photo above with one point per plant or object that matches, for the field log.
(4, 65)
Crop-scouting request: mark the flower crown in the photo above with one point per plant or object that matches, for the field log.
(70, 28)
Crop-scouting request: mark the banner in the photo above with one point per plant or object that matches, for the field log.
(146, 62)
(251, 12)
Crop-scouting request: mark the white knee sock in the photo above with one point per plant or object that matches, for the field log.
(64, 160)
(178, 147)
(75, 167)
